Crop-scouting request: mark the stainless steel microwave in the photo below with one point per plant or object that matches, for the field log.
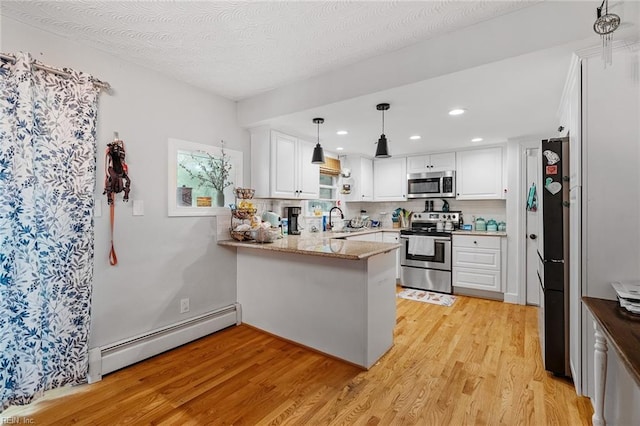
(431, 185)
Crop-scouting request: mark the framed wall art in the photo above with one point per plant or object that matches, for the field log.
(202, 178)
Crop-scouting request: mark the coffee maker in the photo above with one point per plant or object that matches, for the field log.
(292, 214)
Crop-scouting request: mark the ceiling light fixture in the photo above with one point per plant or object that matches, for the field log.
(339, 148)
(605, 25)
(318, 152)
(342, 132)
(457, 111)
(415, 137)
(476, 140)
(382, 151)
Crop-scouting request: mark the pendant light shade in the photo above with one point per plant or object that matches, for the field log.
(318, 152)
(382, 150)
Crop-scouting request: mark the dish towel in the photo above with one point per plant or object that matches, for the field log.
(421, 246)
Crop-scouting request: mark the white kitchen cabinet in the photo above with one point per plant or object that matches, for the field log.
(361, 179)
(477, 262)
(390, 179)
(382, 237)
(373, 236)
(281, 166)
(393, 237)
(431, 163)
(479, 174)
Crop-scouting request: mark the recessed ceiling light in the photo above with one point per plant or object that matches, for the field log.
(339, 148)
(476, 140)
(415, 137)
(342, 132)
(457, 111)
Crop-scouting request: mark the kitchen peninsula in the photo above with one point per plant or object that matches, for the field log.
(332, 295)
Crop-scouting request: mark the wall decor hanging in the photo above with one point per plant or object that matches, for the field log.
(116, 180)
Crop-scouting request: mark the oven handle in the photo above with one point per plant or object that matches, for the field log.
(435, 238)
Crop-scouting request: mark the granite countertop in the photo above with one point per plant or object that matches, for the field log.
(320, 244)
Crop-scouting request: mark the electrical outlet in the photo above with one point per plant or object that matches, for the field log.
(184, 306)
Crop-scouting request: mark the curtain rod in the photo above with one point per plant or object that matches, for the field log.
(10, 58)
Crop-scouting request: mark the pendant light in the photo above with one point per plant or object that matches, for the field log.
(318, 152)
(382, 151)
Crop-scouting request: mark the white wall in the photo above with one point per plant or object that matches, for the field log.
(161, 259)
(611, 183)
(503, 37)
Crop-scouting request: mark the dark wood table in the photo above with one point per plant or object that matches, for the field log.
(621, 329)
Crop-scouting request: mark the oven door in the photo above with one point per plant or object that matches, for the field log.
(441, 258)
(424, 185)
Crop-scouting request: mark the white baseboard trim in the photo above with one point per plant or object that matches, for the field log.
(512, 298)
(108, 358)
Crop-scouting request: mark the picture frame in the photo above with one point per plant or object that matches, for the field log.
(189, 165)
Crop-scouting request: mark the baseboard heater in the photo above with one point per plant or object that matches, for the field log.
(105, 359)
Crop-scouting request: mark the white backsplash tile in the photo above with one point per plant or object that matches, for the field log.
(487, 209)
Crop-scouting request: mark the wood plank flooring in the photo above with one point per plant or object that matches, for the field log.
(475, 363)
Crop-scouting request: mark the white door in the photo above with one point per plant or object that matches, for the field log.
(533, 165)
(479, 174)
(443, 162)
(283, 165)
(308, 174)
(367, 179)
(390, 179)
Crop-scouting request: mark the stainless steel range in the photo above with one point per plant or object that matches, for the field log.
(426, 251)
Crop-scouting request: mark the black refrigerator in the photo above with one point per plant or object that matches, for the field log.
(553, 253)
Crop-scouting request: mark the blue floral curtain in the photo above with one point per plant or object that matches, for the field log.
(47, 181)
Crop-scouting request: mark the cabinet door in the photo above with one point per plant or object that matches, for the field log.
(308, 174)
(393, 237)
(390, 179)
(283, 165)
(418, 164)
(366, 179)
(479, 279)
(443, 162)
(365, 237)
(476, 258)
(479, 174)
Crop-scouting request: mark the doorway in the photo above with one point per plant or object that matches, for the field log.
(533, 219)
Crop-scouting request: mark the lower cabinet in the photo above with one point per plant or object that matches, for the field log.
(374, 236)
(382, 237)
(477, 262)
(393, 237)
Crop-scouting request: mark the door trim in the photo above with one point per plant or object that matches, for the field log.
(523, 187)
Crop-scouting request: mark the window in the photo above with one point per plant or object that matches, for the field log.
(328, 187)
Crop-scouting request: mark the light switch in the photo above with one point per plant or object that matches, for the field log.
(138, 208)
(97, 208)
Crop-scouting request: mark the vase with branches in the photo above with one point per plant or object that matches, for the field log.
(210, 172)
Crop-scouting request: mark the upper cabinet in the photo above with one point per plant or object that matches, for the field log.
(431, 163)
(479, 174)
(361, 179)
(281, 166)
(390, 179)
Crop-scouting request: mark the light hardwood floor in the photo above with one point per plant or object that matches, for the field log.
(476, 363)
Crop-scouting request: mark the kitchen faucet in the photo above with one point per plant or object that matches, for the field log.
(331, 211)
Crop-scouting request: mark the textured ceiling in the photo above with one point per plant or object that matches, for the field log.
(240, 49)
